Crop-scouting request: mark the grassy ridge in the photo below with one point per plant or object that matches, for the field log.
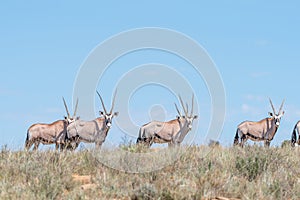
(249, 173)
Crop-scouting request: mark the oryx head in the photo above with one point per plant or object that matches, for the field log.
(108, 116)
(70, 119)
(276, 116)
(189, 118)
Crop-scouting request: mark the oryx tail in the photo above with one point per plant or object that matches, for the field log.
(236, 138)
(294, 135)
(140, 136)
(27, 145)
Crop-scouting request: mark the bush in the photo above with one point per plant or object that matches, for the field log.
(251, 167)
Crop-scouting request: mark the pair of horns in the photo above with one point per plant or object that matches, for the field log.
(185, 109)
(68, 113)
(273, 108)
(113, 103)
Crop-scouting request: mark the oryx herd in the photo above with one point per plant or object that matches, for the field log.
(69, 132)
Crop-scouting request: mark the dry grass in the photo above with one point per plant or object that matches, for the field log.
(249, 173)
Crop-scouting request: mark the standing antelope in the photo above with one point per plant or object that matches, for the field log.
(294, 141)
(54, 133)
(171, 132)
(94, 131)
(263, 130)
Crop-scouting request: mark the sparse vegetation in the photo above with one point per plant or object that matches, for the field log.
(200, 173)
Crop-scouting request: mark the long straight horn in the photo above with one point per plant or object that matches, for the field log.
(192, 111)
(281, 107)
(74, 115)
(274, 111)
(102, 102)
(113, 102)
(182, 104)
(66, 107)
(177, 110)
(187, 108)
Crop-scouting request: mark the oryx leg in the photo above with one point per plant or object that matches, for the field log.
(98, 144)
(71, 144)
(244, 139)
(57, 146)
(171, 144)
(62, 146)
(28, 144)
(147, 141)
(139, 140)
(175, 141)
(267, 143)
(148, 138)
(68, 146)
(36, 145)
(151, 141)
(75, 145)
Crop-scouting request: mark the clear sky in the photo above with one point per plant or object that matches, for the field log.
(254, 44)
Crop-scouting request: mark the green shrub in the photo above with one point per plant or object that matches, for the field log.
(251, 167)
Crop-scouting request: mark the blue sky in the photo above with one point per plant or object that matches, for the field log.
(254, 44)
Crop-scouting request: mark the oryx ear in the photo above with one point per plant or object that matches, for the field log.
(271, 114)
(78, 118)
(116, 113)
(101, 113)
(65, 117)
(178, 117)
(282, 113)
(196, 116)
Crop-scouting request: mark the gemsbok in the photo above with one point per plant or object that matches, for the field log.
(263, 130)
(94, 131)
(172, 132)
(294, 141)
(54, 133)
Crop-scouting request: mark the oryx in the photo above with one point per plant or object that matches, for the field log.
(263, 130)
(54, 133)
(171, 132)
(94, 131)
(294, 141)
